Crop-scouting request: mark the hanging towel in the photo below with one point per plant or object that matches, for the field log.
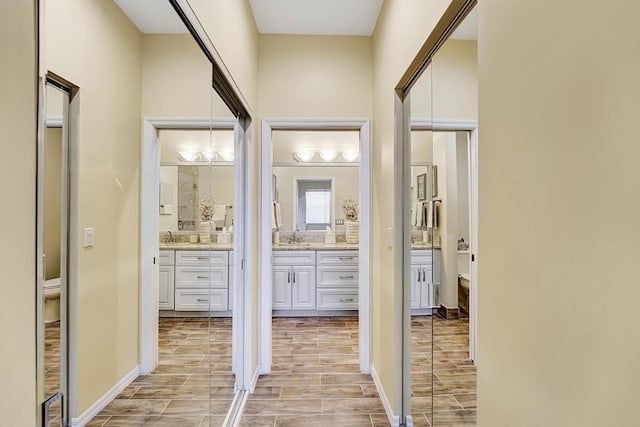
(278, 215)
(274, 224)
(420, 215)
(430, 214)
(414, 214)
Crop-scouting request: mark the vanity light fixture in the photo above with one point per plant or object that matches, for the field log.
(328, 156)
(188, 156)
(304, 156)
(350, 156)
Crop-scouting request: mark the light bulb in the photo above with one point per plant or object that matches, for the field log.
(328, 156)
(227, 156)
(209, 155)
(189, 156)
(350, 156)
(304, 156)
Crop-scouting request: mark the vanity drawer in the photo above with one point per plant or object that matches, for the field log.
(421, 256)
(202, 258)
(201, 300)
(337, 299)
(167, 258)
(338, 257)
(294, 257)
(202, 277)
(337, 277)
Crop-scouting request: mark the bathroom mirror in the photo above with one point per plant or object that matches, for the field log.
(314, 172)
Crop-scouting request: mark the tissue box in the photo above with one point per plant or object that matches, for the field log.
(224, 238)
(329, 238)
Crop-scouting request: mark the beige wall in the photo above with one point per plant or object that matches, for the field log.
(401, 30)
(18, 172)
(103, 57)
(315, 77)
(176, 79)
(559, 197)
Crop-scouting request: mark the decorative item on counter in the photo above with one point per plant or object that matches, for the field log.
(351, 225)
(224, 238)
(276, 237)
(462, 245)
(205, 208)
(425, 237)
(329, 237)
(193, 239)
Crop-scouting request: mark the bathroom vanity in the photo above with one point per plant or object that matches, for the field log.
(195, 278)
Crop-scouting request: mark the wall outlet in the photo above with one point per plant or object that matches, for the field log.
(339, 221)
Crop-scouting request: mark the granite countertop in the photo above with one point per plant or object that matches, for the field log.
(315, 246)
(185, 246)
(420, 245)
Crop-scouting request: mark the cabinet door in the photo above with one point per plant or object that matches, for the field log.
(281, 284)
(416, 284)
(303, 288)
(165, 288)
(427, 287)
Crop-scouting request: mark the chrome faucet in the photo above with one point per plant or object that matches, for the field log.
(170, 239)
(294, 238)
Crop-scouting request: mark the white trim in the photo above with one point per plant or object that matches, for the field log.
(265, 303)
(443, 125)
(394, 420)
(101, 403)
(254, 380)
(237, 416)
(54, 121)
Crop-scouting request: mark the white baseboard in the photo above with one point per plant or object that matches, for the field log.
(101, 403)
(394, 420)
(254, 380)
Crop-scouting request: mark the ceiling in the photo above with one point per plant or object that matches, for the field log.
(313, 17)
(152, 16)
(326, 17)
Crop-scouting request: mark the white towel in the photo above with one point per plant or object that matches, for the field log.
(430, 214)
(414, 214)
(278, 215)
(420, 215)
(274, 224)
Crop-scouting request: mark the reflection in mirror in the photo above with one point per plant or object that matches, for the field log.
(54, 253)
(443, 103)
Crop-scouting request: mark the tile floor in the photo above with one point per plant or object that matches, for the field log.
(454, 376)
(52, 367)
(192, 385)
(315, 379)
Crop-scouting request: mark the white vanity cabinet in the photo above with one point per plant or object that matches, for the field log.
(202, 281)
(294, 280)
(337, 280)
(425, 278)
(166, 272)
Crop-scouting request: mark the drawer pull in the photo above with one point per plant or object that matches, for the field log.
(202, 300)
(347, 277)
(346, 258)
(203, 258)
(347, 300)
(202, 277)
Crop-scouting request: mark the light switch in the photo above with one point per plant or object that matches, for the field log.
(88, 238)
(390, 237)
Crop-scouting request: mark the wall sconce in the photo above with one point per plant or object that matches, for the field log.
(193, 156)
(209, 155)
(227, 156)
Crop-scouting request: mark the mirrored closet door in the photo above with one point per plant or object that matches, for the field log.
(441, 385)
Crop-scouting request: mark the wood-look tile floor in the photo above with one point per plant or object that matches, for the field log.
(315, 378)
(454, 375)
(192, 385)
(52, 366)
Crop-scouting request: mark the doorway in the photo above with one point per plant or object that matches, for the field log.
(270, 217)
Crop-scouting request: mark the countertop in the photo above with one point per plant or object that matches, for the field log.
(316, 246)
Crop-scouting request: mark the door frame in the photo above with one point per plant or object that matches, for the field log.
(149, 232)
(265, 309)
(470, 126)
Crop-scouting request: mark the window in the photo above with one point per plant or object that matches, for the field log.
(314, 204)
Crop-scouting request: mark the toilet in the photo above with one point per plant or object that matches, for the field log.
(52, 300)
